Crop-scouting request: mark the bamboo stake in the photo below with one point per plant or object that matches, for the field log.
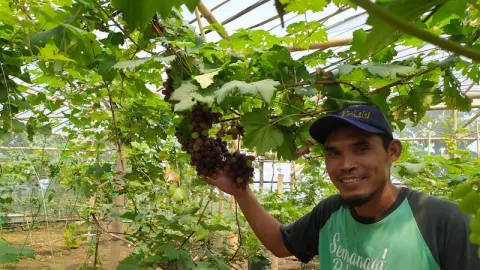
(118, 205)
(214, 8)
(293, 179)
(429, 137)
(332, 42)
(279, 191)
(209, 17)
(455, 128)
(478, 141)
(197, 14)
(261, 170)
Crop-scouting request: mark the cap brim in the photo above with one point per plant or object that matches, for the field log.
(320, 129)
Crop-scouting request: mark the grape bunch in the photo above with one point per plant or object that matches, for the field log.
(207, 154)
(235, 130)
(167, 92)
(239, 167)
(201, 120)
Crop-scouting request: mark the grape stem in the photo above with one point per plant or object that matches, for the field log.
(200, 218)
(239, 232)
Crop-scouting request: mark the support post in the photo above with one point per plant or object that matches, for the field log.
(118, 205)
(293, 180)
(478, 141)
(429, 137)
(261, 169)
(273, 258)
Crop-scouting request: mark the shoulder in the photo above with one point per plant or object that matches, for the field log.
(434, 208)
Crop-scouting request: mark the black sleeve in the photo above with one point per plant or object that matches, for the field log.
(445, 229)
(301, 237)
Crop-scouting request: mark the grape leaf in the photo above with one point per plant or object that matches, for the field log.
(206, 79)
(51, 52)
(259, 133)
(419, 99)
(140, 12)
(383, 33)
(286, 150)
(265, 87)
(177, 193)
(132, 64)
(379, 69)
(132, 262)
(188, 95)
(453, 95)
(302, 6)
(9, 254)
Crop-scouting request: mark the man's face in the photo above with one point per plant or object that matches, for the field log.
(357, 163)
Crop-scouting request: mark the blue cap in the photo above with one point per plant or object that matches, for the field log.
(364, 117)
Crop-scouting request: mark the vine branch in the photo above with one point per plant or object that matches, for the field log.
(23, 9)
(409, 28)
(239, 232)
(200, 218)
(121, 28)
(110, 233)
(402, 81)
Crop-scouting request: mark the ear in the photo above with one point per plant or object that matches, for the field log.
(395, 150)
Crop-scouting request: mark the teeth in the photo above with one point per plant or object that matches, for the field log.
(351, 180)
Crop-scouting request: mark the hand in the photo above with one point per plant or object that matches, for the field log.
(224, 183)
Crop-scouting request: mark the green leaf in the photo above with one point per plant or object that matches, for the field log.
(132, 262)
(412, 167)
(177, 193)
(9, 254)
(188, 95)
(132, 64)
(105, 67)
(206, 80)
(17, 126)
(286, 150)
(216, 27)
(45, 130)
(452, 94)
(266, 88)
(383, 33)
(379, 69)
(51, 52)
(259, 133)
(138, 13)
(451, 8)
(302, 6)
(191, 4)
(419, 99)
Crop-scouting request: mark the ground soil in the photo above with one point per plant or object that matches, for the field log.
(78, 258)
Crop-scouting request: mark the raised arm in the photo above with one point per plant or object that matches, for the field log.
(265, 227)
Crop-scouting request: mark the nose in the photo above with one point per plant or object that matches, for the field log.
(348, 163)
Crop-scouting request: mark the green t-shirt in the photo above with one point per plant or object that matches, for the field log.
(417, 232)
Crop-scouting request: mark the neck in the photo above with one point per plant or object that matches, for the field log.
(380, 202)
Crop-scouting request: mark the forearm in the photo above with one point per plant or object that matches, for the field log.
(265, 227)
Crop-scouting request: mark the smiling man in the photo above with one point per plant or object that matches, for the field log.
(371, 223)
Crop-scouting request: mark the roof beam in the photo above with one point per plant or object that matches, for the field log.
(207, 14)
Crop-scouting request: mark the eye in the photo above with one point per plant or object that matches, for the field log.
(362, 148)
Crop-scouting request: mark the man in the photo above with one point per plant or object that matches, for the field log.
(371, 223)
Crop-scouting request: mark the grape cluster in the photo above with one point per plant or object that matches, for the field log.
(235, 130)
(239, 167)
(167, 92)
(469, 195)
(207, 154)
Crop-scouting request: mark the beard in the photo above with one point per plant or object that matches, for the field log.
(359, 200)
(356, 201)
